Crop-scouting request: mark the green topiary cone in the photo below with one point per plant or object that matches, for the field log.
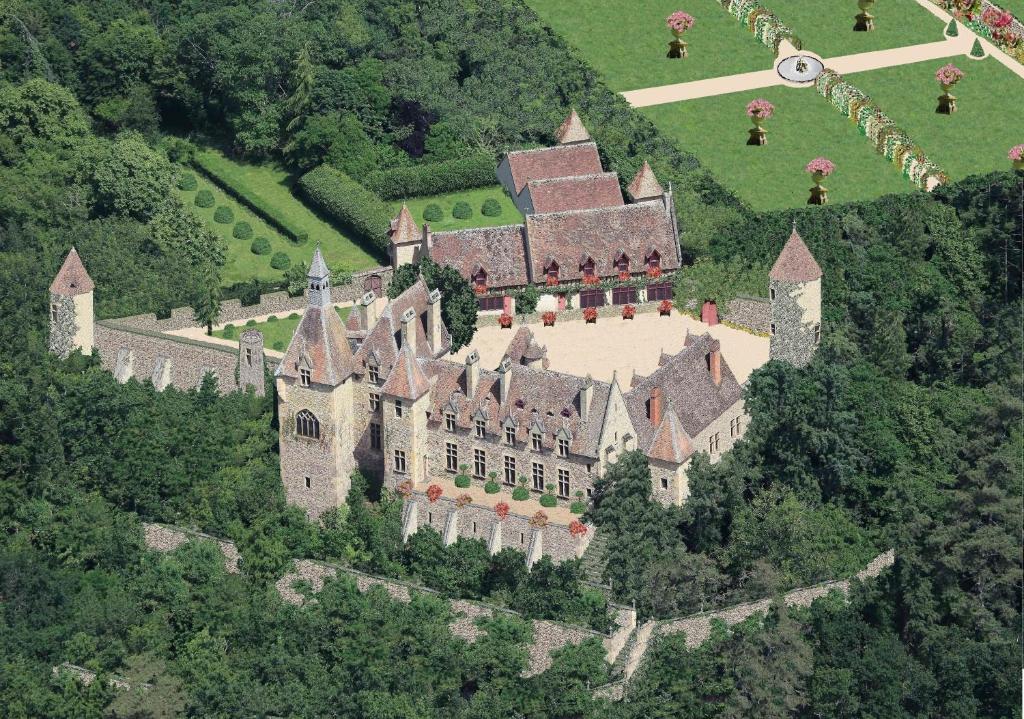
(976, 49)
(951, 30)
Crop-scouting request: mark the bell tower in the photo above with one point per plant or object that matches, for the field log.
(71, 313)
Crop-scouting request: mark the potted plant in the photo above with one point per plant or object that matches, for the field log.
(579, 506)
(521, 493)
(548, 498)
(551, 281)
(591, 280)
(623, 276)
(549, 319)
(577, 529)
(628, 312)
(491, 486)
(948, 76)
(505, 321)
(462, 500)
(539, 520)
(678, 23)
(404, 489)
(653, 272)
(501, 509)
(434, 492)
(590, 315)
(758, 111)
(865, 20)
(1016, 155)
(820, 168)
(480, 289)
(462, 480)
(665, 308)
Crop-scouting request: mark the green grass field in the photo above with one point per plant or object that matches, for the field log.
(276, 333)
(1016, 7)
(270, 186)
(973, 140)
(826, 26)
(509, 214)
(628, 45)
(772, 176)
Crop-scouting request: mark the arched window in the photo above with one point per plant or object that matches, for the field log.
(307, 425)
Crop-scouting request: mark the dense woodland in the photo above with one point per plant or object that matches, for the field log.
(904, 432)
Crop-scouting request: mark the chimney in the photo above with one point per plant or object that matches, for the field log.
(715, 361)
(409, 329)
(586, 397)
(365, 309)
(654, 407)
(434, 321)
(504, 378)
(472, 373)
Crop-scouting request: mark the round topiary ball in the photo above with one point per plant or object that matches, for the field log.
(250, 323)
(433, 213)
(229, 332)
(280, 261)
(223, 215)
(242, 231)
(187, 182)
(272, 318)
(260, 246)
(520, 494)
(490, 208)
(294, 316)
(548, 500)
(279, 345)
(462, 211)
(204, 198)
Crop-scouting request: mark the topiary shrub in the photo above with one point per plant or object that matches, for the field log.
(187, 182)
(294, 316)
(272, 318)
(462, 211)
(548, 500)
(280, 261)
(951, 29)
(520, 494)
(229, 332)
(492, 487)
(223, 215)
(490, 208)
(260, 246)
(433, 213)
(577, 507)
(462, 481)
(242, 231)
(976, 49)
(250, 323)
(279, 346)
(204, 198)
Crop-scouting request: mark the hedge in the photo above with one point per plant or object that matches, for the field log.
(464, 173)
(343, 199)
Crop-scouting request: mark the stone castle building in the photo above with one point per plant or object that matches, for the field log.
(794, 292)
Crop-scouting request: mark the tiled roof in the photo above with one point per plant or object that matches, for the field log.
(795, 262)
(72, 279)
(687, 390)
(558, 161)
(320, 343)
(581, 192)
(318, 268)
(645, 184)
(567, 237)
(670, 443)
(404, 227)
(572, 130)
(524, 348)
(406, 379)
(501, 251)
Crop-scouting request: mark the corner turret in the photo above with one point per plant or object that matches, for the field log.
(71, 308)
(795, 298)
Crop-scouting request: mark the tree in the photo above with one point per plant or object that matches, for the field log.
(298, 105)
(207, 305)
(131, 179)
(40, 112)
(459, 305)
(526, 300)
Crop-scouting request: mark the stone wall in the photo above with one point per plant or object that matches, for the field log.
(753, 313)
(796, 317)
(164, 538)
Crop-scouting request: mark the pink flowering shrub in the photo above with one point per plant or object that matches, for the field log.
(501, 509)
(760, 108)
(577, 528)
(590, 314)
(822, 165)
(1016, 153)
(679, 21)
(665, 307)
(996, 19)
(505, 320)
(434, 492)
(949, 74)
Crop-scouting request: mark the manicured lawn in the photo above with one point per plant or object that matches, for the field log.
(627, 42)
(270, 186)
(973, 140)
(772, 176)
(242, 265)
(826, 26)
(277, 333)
(1016, 7)
(475, 198)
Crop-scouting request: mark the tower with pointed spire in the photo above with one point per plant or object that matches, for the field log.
(407, 242)
(71, 310)
(795, 300)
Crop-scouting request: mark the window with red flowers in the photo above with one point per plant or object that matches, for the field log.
(654, 261)
(622, 263)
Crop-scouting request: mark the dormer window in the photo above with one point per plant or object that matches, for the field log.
(373, 374)
(654, 261)
(480, 278)
(510, 435)
(449, 421)
(588, 267)
(563, 447)
(481, 429)
(304, 376)
(552, 271)
(622, 263)
(535, 441)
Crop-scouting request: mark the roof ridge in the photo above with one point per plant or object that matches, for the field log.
(632, 207)
(550, 148)
(542, 180)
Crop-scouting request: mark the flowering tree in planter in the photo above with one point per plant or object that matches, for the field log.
(758, 111)
(820, 168)
(947, 76)
(1016, 155)
(628, 312)
(665, 307)
(577, 529)
(590, 314)
(549, 319)
(539, 520)
(462, 500)
(505, 320)
(501, 509)
(678, 23)
(404, 489)
(434, 492)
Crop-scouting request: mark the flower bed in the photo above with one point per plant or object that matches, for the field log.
(991, 22)
(762, 22)
(889, 140)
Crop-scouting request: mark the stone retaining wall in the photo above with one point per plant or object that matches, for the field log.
(754, 313)
(164, 538)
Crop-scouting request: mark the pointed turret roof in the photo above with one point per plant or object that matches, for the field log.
(318, 268)
(403, 227)
(72, 279)
(670, 443)
(795, 262)
(572, 130)
(320, 345)
(406, 379)
(645, 185)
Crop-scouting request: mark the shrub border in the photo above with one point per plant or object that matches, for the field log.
(762, 22)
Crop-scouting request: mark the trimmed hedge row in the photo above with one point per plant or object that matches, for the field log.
(353, 206)
(266, 212)
(438, 178)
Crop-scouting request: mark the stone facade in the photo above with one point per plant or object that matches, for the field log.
(753, 313)
(70, 329)
(795, 320)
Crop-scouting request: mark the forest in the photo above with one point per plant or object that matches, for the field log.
(905, 432)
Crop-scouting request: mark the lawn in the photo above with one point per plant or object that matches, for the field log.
(627, 43)
(772, 176)
(270, 186)
(475, 198)
(1016, 7)
(826, 26)
(277, 332)
(973, 140)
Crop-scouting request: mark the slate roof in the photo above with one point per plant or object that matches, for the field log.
(404, 227)
(318, 268)
(406, 379)
(645, 184)
(580, 192)
(319, 341)
(557, 161)
(501, 251)
(795, 263)
(601, 233)
(524, 348)
(687, 391)
(572, 130)
(72, 279)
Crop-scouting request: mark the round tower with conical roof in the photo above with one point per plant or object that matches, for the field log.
(795, 297)
(71, 313)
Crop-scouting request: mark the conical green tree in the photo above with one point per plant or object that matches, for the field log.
(951, 29)
(976, 49)
(299, 103)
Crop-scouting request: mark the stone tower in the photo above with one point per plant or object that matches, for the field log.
(71, 315)
(250, 361)
(407, 242)
(406, 399)
(314, 385)
(795, 296)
